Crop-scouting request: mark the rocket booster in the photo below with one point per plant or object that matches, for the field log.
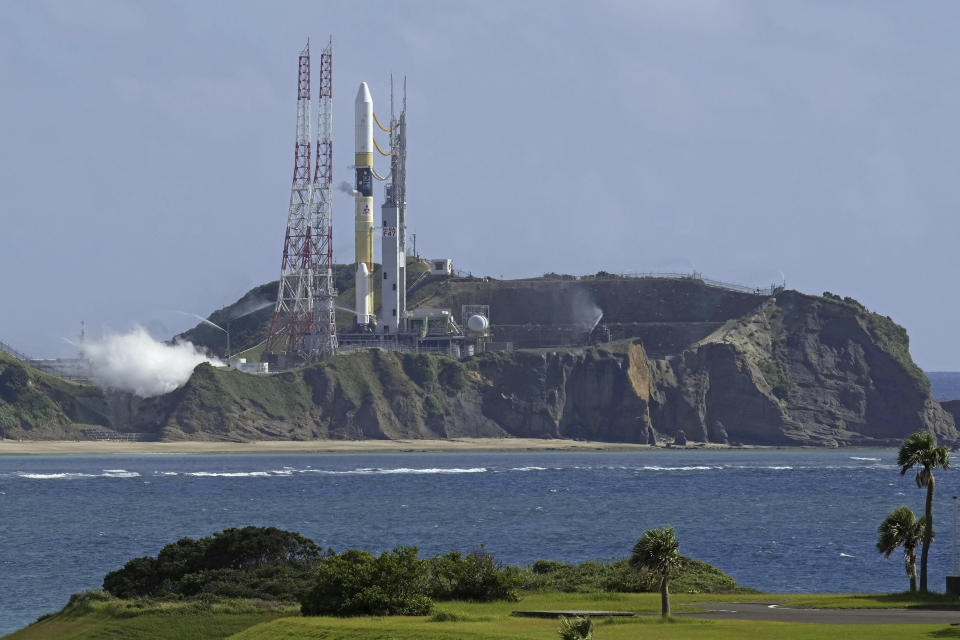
(363, 220)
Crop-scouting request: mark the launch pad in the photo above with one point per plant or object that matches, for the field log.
(303, 328)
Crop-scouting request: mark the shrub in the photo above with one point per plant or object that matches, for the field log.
(541, 567)
(13, 381)
(421, 368)
(432, 407)
(476, 576)
(452, 376)
(447, 616)
(359, 583)
(252, 562)
(693, 577)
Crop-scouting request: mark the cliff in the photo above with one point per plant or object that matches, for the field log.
(799, 370)
(787, 370)
(793, 370)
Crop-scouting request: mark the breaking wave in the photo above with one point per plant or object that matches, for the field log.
(107, 473)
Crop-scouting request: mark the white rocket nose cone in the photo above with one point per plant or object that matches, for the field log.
(363, 94)
(362, 270)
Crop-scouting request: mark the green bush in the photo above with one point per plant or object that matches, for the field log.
(447, 616)
(619, 577)
(452, 375)
(476, 576)
(13, 381)
(358, 583)
(432, 406)
(252, 562)
(421, 368)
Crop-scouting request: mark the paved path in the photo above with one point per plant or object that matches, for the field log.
(777, 613)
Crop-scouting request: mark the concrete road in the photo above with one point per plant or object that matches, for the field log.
(776, 613)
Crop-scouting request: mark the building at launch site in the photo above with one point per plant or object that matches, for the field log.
(303, 327)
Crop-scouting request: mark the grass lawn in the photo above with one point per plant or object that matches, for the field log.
(246, 620)
(145, 620)
(610, 629)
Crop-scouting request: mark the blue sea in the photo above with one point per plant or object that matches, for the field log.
(776, 520)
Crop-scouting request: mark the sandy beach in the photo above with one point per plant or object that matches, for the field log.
(51, 447)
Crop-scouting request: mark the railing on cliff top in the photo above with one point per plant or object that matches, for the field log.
(772, 290)
(13, 352)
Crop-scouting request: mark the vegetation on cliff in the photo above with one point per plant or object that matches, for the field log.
(36, 404)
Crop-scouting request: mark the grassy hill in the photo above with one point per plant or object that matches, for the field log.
(252, 620)
(39, 405)
(248, 319)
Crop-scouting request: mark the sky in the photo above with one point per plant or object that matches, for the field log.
(147, 148)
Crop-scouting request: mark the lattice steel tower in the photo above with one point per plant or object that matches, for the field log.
(321, 216)
(303, 321)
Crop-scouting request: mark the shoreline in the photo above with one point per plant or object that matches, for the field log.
(112, 447)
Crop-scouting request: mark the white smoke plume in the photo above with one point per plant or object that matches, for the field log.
(137, 363)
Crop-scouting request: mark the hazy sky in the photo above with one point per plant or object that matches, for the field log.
(147, 148)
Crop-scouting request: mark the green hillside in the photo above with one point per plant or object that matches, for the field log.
(39, 405)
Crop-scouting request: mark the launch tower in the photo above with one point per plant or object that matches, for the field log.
(393, 299)
(303, 325)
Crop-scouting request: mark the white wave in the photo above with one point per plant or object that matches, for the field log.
(846, 555)
(865, 459)
(119, 473)
(529, 469)
(66, 475)
(228, 474)
(287, 471)
(695, 468)
(401, 470)
(53, 476)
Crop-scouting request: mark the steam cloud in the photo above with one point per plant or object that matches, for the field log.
(584, 311)
(137, 363)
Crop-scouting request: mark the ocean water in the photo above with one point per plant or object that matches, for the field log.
(944, 385)
(776, 520)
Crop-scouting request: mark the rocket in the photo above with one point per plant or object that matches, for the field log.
(363, 220)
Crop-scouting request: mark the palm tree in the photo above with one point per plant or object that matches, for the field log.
(658, 550)
(901, 527)
(920, 450)
(575, 628)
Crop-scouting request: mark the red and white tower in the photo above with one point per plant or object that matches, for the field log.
(321, 216)
(303, 321)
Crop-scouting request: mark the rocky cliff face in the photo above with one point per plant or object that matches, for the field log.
(799, 370)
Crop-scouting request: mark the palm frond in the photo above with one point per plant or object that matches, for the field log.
(900, 527)
(657, 550)
(920, 450)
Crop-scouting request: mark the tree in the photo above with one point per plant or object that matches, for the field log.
(920, 450)
(901, 527)
(658, 551)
